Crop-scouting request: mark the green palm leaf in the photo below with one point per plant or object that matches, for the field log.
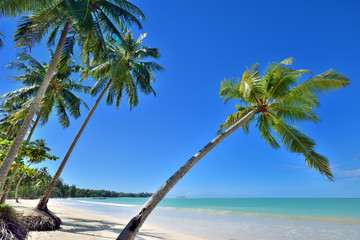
(319, 84)
(297, 142)
(294, 113)
(265, 125)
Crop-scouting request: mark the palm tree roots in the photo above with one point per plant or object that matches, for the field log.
(38, 220)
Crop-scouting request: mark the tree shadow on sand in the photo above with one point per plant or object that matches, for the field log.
(92, 227)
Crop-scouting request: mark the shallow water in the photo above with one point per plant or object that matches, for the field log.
(272, 219)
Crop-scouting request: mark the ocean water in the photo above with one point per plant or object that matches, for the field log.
(241, 218)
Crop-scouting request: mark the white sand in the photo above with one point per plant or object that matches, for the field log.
(82, 225)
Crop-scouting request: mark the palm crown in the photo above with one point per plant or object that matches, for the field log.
(59, 94)
(126, 68)
(92, 21)
(281, 102)
(10, 125)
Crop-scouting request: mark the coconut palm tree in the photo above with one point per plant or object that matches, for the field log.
(42, 180)
(86, 20)
(39, 143)
(123, 70)
(58, 96)
(279, 102)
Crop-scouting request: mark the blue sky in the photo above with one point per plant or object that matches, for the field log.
(203, 42)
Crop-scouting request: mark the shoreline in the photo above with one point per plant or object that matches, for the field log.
(105, 220)
(82, 225)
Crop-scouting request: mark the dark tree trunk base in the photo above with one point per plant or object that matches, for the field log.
(12, 229)
(38, 220)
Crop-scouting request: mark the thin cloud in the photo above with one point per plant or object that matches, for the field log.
(350, 175)
(289, 166)
(356, 157)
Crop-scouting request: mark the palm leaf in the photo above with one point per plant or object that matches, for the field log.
(229, 89)
(265, 125)
(319, 84)
(294, 113)
(297, 142)
(235, 117)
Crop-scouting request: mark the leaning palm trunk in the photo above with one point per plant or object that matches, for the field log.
(133, 227)
(17, 186)
(27, 142)
(33, 129)
(42, 205)
(5, 167)
(9, 133)
(7, 189)
(3, 197)
(35, 193)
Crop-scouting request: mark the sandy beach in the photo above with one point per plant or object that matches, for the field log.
(83, 225)
(104, 219)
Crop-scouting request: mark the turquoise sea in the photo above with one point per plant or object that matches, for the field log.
(342, 208)
(241, 218)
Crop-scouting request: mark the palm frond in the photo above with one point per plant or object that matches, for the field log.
(99, 86)
(319, 84)
(12, 8)
(294, 113)
(60, 106)
(229, 89)
(32, 29)
(1, 41)
(284, 79)
(265, 125)
(146, 52)
(297, 142)
(251, 87)
(271, 69)
(235, 117)
(119, 14)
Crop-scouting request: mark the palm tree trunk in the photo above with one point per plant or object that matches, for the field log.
(17, 187)
(133, 227)
(8, 135)
(27, 142)
(35, 193)
(9, 159)
(7, 189)
(18, 183)
(33, 129)
(42, 205)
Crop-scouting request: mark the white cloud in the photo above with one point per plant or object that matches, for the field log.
(350, 175)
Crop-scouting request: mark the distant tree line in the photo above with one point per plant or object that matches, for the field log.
(33, 186)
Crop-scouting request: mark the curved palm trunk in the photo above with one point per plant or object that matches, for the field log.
(27, 142)
(35, 193)
(42, 205)
(9, 133)
(17, 187)
(133, 227)
(18, 184)
(9, 159)
(33, 129)
(7, 189)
